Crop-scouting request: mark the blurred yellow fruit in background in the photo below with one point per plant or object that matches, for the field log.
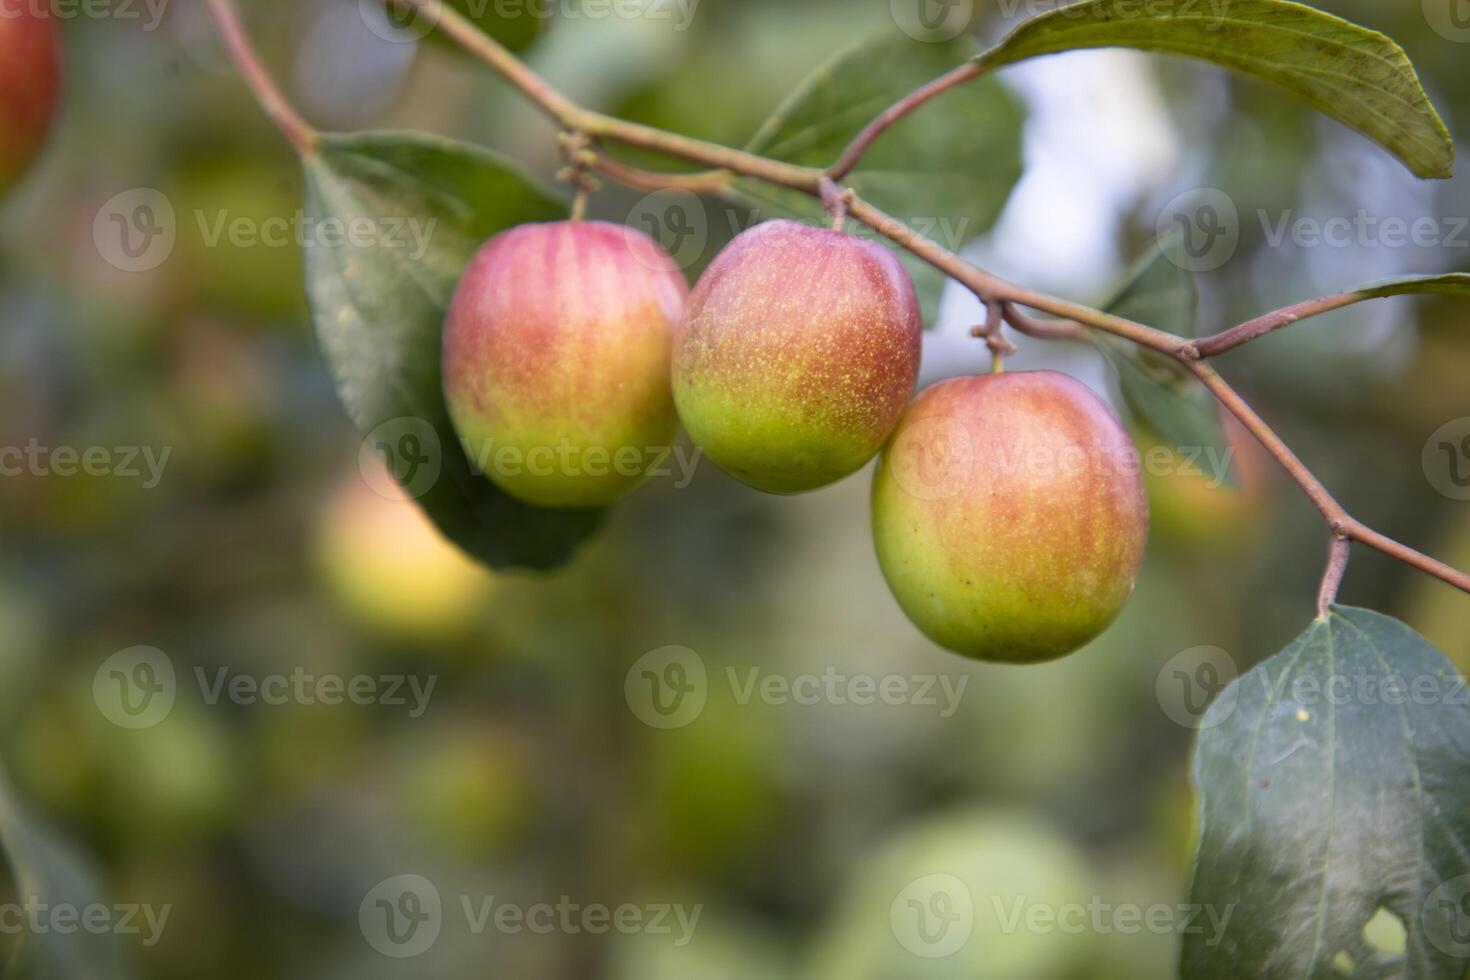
(387, 565)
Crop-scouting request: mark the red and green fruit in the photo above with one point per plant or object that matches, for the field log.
(1010, 516)
(30, 59)
(556, 360)
(797, 356)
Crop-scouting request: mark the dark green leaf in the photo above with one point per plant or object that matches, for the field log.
(379, 312)
(1161, 397)
(47, 871)
(1334, 811)
(1454, 283)
(946, 170)
(1353, 74)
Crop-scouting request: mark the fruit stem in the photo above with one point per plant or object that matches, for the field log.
(581, 158)
(994, 340)
(579, 204)
(1337, 561)
(298, 131)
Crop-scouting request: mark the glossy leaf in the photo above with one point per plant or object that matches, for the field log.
(946, 170)
(1334, 811)
(1353, 74)
(379, 306)
(1162, 397)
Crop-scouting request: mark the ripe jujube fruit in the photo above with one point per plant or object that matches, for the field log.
(556, 360)
(797, 355)
(30, 58)
(1010, 516)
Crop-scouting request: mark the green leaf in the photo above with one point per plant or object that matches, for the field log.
(1452, 284)
(379, 311)
(1353, 74)
(1334, 812)
(1161, 397)
(946, 171)
(47, 871)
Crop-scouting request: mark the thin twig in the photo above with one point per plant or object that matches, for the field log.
(853, 155)
(1234, 337)
(1043, 330)
(1332, 512)
(297, 131)
(708, 182)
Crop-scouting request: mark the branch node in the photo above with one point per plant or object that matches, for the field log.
(836, 199)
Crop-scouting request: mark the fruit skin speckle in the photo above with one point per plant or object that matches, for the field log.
(1010, 516)
(556, 360)
(797, 355)
(30, 70)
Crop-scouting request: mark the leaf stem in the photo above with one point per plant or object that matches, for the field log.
(1337, 561)
(297, 131)
(861, 143)
(1246, 332)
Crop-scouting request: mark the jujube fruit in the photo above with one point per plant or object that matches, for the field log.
(30, 58)
(1010, 516)
(797, 355)
(556, 360)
